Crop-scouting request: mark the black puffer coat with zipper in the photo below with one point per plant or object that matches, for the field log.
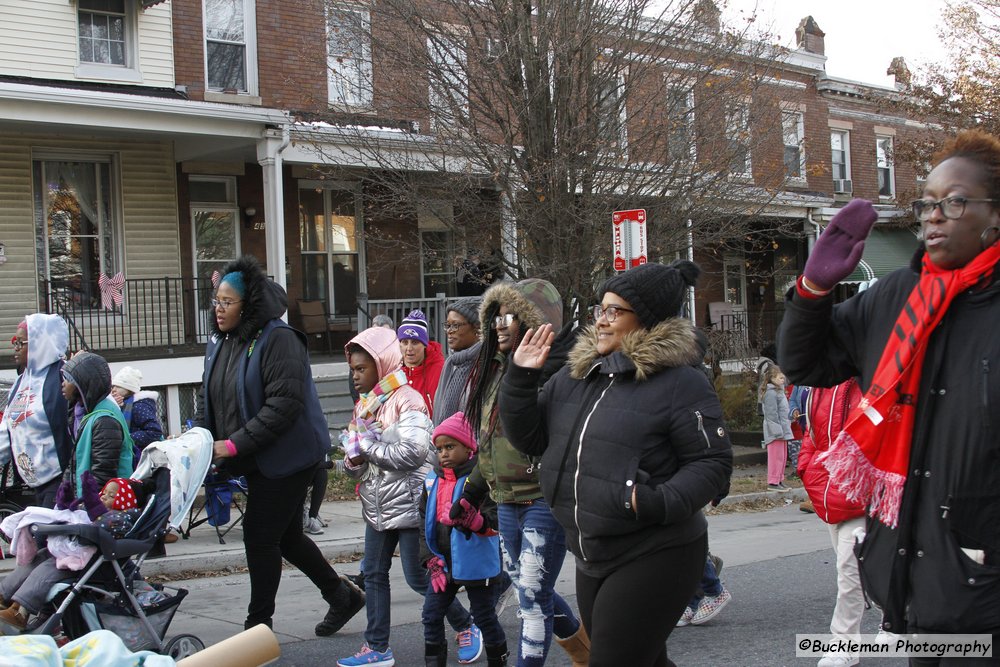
(918, 573)
(642, 416)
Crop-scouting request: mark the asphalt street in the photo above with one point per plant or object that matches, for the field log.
(778, 565)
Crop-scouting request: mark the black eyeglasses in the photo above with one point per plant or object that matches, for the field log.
(952, 208)
(451, 326)
(503, 321)
(610, 312)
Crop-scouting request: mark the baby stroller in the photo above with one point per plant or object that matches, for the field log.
(110, 593)
(15, 495)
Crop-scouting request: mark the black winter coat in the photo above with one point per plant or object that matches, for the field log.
(918, 573)
(287, 432)
(640, 417)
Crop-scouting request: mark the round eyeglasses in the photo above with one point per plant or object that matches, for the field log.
(610, 312)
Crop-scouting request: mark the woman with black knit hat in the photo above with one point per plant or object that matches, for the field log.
(259, 401)
(632, 444)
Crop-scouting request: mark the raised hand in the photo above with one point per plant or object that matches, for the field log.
(439, 580)
(534, 349)
(838, 249)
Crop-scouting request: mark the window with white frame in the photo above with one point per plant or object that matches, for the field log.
(738, 138)
(792, 131)
(611, 118)
(230, 45)
(348, 52)
(840, 160)
(679, 119)
(884, 165)
(104, 31)
(449, 81)
(78, 232)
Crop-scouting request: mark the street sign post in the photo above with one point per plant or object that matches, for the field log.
(628, 238)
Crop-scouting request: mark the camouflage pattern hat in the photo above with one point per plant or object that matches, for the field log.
(533, 300)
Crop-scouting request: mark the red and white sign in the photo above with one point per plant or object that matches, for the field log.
(628, 238)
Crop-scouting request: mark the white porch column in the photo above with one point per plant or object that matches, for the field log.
(269, 149)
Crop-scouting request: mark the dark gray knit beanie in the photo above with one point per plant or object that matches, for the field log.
(655, 291)
(467, 307)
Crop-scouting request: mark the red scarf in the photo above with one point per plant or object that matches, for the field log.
(870, 457)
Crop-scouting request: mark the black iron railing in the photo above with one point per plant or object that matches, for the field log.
(154, 313)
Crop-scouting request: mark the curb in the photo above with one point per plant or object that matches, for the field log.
(233, 557)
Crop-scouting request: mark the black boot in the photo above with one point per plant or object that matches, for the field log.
(496, 655)
(347, 601)
(436, 655)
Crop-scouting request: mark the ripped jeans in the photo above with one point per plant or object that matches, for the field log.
(533, 546)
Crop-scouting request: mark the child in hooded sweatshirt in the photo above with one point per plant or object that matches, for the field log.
(388, 447)
(458, 556)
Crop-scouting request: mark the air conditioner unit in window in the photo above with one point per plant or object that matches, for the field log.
(842, 185)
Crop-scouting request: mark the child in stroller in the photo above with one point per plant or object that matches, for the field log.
(110, 592)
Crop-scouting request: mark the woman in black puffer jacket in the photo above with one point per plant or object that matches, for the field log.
(633, 446)
(259, 401)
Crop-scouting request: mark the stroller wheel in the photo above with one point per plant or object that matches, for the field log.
(183, 646)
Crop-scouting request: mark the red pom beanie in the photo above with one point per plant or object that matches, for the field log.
(458, 428)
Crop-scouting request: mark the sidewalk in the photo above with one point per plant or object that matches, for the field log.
(344, 537)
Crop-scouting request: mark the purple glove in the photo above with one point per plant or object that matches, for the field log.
(64, 495)
(466, 516)
(838, 249)
(439, 580)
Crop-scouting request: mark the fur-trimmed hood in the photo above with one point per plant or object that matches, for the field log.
(534, 301)
(263, 301)
(669, 344)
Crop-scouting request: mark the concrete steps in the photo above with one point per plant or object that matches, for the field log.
(335, 399)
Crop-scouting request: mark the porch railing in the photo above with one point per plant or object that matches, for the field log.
(154, 313)
(435, 308)
(742, 334)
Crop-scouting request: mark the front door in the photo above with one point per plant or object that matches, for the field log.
(215, 233)
(330, 234)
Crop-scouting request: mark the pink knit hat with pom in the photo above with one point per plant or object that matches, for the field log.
(458, 428)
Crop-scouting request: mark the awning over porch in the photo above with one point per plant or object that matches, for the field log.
(885, 251)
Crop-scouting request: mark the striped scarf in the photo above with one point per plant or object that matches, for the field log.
(368, 404)
(871, 455)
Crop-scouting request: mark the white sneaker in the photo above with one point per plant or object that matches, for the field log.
(313, 527)
(885, 637)
(837, 659)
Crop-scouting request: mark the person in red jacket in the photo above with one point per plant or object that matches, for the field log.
(422, 358)
(826, 411)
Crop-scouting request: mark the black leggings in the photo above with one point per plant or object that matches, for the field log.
(641, 600)
(318, 490)
(272, 529)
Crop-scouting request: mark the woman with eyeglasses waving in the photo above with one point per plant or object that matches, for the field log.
(259, 401)
(921, 450)
(34, 429)
(533, 543)
(632, 447)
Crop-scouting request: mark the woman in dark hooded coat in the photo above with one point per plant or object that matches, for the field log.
(259, 401)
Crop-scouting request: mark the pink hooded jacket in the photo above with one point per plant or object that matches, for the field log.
(392, 476)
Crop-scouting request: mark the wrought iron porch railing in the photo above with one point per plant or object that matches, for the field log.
(154, 313)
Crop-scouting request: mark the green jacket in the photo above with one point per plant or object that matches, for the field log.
(511, 475)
